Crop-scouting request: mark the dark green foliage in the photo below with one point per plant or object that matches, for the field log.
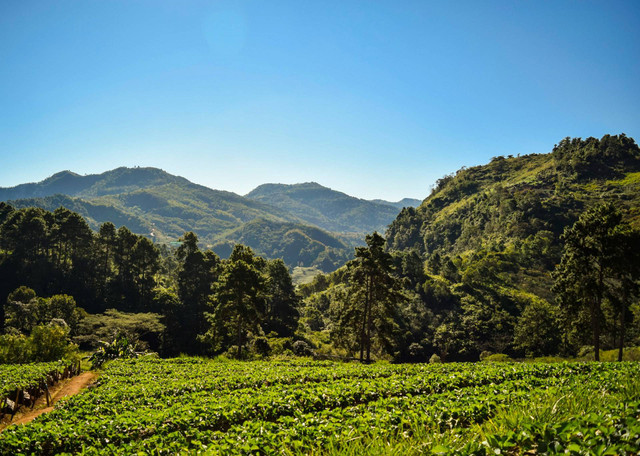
(238, 300)
(57, 253)
(25, 311)
(609, 157)
(599, 263)
(295, 244)
(281, 312)
(476, 257)
(45, 343)
(145, 330)
(366, 316)
(197, 273)
(538, 331)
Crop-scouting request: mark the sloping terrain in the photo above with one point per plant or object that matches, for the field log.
(154, 203)
(327, 208)
(513, 198)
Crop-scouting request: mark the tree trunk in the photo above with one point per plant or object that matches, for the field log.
(363, 330)
(239, 306)
(595, 313)
(595, 326)
(370, 299)
(622, 328)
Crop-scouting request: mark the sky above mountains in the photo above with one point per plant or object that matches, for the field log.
(375, 99)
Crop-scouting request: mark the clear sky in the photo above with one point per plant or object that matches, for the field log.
(374, 98)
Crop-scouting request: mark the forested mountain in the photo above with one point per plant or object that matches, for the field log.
(404, 202)
(155, 200)
(327, 208)
(156, 204)
(296, 244)
(512, 198)
(478, 257)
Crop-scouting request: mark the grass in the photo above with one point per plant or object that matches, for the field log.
(302, 275)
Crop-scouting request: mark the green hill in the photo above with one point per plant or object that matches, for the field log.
(513, 198)
(150, 199)
(476, 256)
(154, 203)
(329, 209)
(405, 202)
(296, 244)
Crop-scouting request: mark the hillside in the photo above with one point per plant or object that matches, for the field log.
(297, 245)
(404, 202)
(149, 198)
(154, 203)
(513, 198)
(477, 255)
(327, 208)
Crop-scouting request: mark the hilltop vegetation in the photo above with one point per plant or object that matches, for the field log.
(296, 244)
(477, 256)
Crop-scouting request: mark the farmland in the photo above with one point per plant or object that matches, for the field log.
(193, 405)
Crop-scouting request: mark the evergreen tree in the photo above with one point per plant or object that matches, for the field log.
(197, 272)
(238, 300)
(592, 266)
(281, 313)
(372, 297)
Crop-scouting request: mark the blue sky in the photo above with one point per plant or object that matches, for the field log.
(374, 98)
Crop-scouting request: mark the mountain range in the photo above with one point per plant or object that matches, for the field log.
(306, 224)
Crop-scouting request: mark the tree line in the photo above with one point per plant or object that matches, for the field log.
(202, 303)
(399, 305)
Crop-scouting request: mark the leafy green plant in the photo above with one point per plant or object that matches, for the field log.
(119, 348)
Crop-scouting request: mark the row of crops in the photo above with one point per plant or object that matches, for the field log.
(153, 406)
(22, 384)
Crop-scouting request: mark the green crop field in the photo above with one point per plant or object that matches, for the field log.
(196, 406)
(23, 376)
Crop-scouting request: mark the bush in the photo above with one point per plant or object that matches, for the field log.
(497, 358)
(120, 347)
(45, 343)
(435, 359)
(484, 355)
(260, 346)
(301, 348)
(49, 342)
(280, 344)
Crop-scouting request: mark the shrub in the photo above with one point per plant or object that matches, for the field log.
(484, 355)
(497, 358)
(120, 347)
(261, 346)
(435, 359)
(45, 343)
(301, 348)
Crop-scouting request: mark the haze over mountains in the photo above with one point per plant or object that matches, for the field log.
(307, 224)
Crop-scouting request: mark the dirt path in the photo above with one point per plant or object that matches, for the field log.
(65, 388)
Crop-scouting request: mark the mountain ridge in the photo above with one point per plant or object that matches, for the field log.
(157, 204)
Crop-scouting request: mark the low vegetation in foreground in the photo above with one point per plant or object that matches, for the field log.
(196, 406)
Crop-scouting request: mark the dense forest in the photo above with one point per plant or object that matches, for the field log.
(525, 256)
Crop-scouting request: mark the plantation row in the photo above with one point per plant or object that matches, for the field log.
(167, 406)
(22, 384)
